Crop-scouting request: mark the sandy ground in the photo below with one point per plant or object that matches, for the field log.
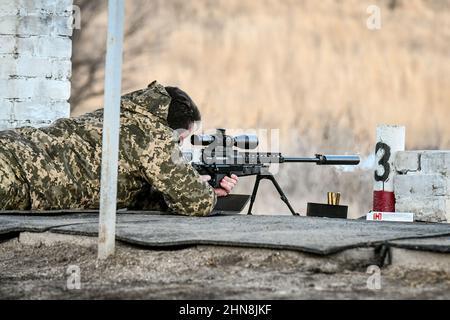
(39, 271)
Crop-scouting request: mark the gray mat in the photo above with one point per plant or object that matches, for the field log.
(45, 222)
(11, 224)
(314, 235)
(440, 244)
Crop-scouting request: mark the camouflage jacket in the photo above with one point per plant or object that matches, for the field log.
(61, 163)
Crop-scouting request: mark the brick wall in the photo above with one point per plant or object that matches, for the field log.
(422, 184)
(35, 66)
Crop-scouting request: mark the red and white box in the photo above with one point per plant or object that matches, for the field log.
(390, 216)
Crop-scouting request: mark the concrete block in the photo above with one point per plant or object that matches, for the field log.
(421, 185)
(61, 69)
(51, 6)
(35, 67)
(40, 111)
(60, 47)
(45, 46)
(6, 107)
(7, 67)
(427, 209)
(8, 8)
(58, 110)
(436, 162)
(23, 89)
(35, 25)
(57, 69)
(420, 260)
(16, 89)
(407, 161)
(24, 67)
(52, 239)
(6, 124)
(52, 89)
(7, 44)
(36, 46)
(31, 7)
(12, 124)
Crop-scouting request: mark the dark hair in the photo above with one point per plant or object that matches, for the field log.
(182, 110)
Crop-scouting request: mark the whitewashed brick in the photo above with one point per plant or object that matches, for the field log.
(34, 88)
(11, 124)
(16, 89)
(8, 8)
(40, 111)
(436, 162)
(6, 107)
(35, 25)
(421, 185)
(7, 44)
(58, 110)
(52, 89)
(51, 6)
(34, 67)
(407, 161)
(37, 46)
(6, 124)
(61, 69)
(59, 47)
(7, 67)
(431, 209)
(31, 7)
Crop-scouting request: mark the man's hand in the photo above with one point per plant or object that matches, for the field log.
(205, 178)
(226, 185)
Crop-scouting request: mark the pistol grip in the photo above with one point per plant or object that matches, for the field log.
(215, 180)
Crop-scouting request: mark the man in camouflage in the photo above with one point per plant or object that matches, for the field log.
(58, 167)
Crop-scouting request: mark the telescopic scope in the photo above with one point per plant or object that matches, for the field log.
(220, 139)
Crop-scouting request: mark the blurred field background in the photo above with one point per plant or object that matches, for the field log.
(309, 68)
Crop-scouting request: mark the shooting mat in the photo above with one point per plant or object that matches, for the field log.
(307, 234)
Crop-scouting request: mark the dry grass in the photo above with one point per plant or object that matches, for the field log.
(310, 68)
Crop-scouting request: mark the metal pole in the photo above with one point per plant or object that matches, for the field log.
(111, 128)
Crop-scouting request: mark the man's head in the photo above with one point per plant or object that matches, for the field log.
(183, 112)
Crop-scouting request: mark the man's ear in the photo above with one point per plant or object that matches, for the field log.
(197, 126)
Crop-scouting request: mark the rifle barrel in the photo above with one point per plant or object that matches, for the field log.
(327, 159)
(299, 159)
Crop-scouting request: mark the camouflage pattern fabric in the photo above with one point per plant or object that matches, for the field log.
(58, 167)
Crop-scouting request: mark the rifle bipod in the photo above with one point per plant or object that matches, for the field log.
(277, 186)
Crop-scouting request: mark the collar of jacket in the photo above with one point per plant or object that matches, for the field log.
(152, 100)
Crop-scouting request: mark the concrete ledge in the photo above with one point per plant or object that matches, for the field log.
(420, 260)
(422, 184)
(351, 259)
(52, 239)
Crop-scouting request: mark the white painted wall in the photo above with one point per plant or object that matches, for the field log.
(422, 184)
(35, 65)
